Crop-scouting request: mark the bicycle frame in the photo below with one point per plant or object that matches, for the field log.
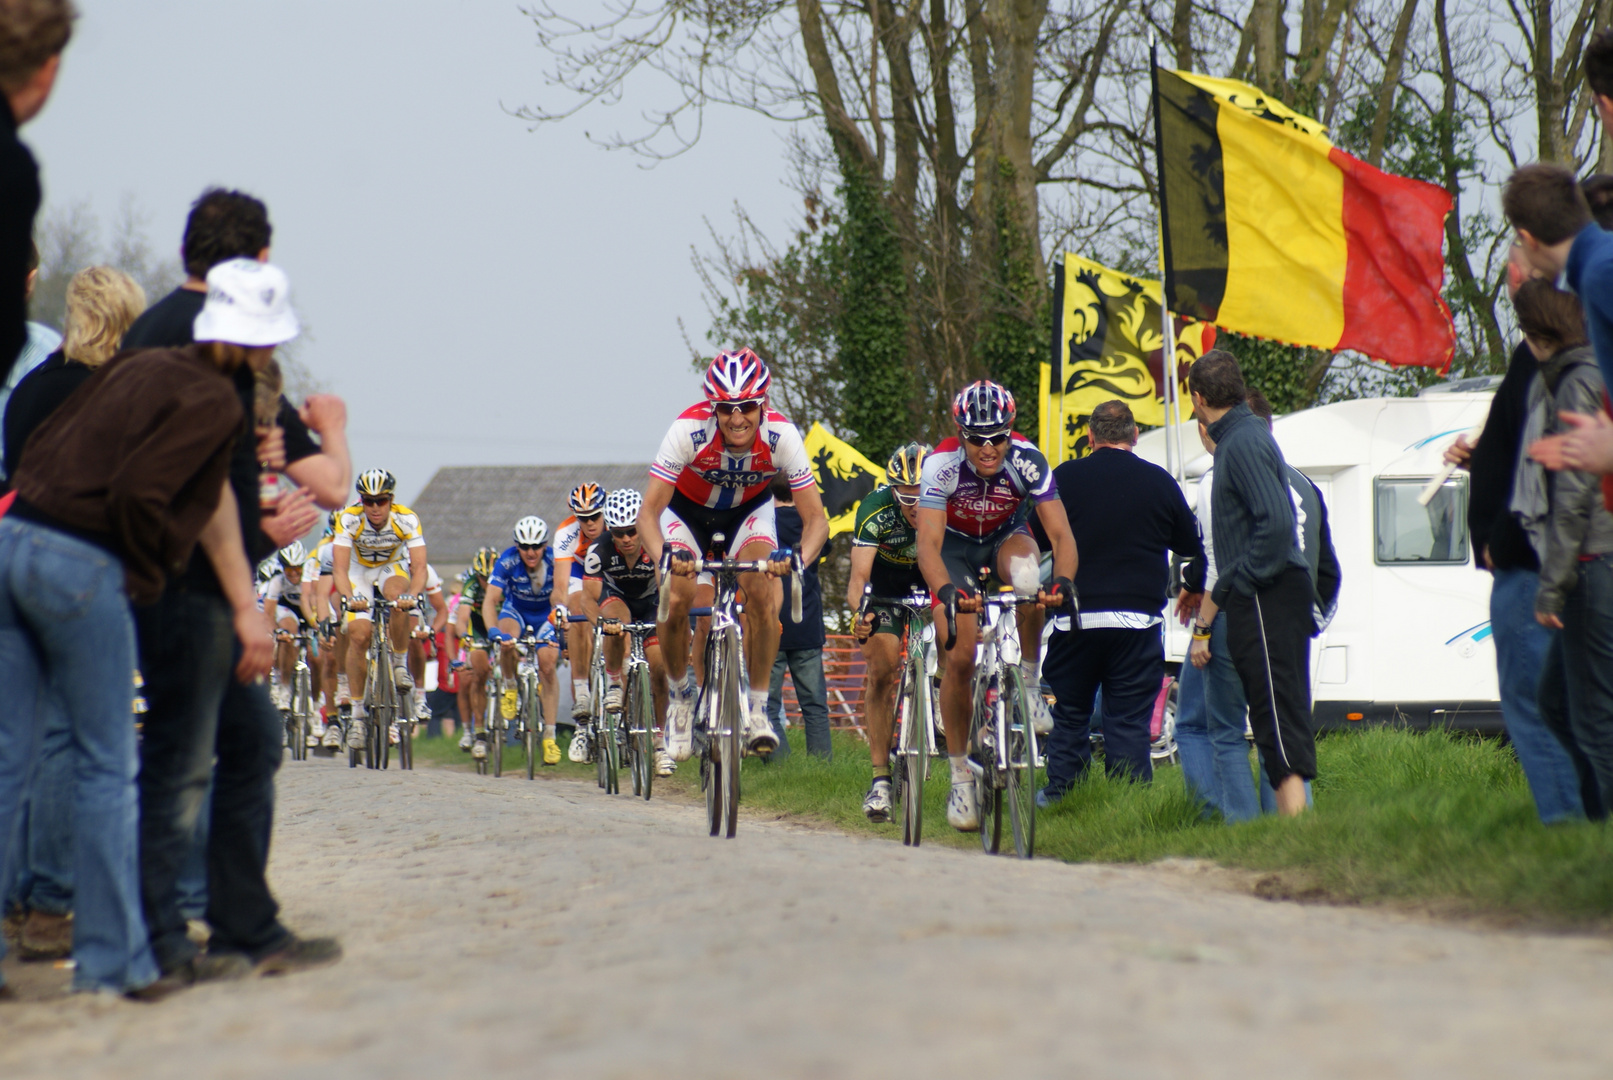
(1004, 740)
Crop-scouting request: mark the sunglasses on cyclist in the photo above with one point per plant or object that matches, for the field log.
(987, 440)
(906, 500)
(623, 534)
(370, 500)
(586, 518)
(530, 547)
(729, 408)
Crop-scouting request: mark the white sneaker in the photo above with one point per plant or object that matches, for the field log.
(465, 739)
(1041, 715)
(333, 736)
(664, 765)
(478, 749)
(316, 735)
(963, 812)
(343, 697)
(578, 750)
(358, 729)
(582, 706)
(877, 803)
(680, 726)
(613, 698)
(760, 738)
(402, 679)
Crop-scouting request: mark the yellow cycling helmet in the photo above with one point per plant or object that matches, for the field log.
(906, 464)
(482, 564)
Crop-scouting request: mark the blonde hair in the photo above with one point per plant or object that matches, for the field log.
(101, 303)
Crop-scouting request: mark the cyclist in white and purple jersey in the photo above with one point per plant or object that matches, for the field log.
(975, 497)
(712, 476)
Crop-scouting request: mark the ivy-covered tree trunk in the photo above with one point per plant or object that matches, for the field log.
(873, 329)
(1013, 327)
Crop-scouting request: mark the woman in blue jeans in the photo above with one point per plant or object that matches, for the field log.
(115, 487)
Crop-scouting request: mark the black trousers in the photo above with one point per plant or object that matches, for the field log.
(1269, 635)
(1129, 667)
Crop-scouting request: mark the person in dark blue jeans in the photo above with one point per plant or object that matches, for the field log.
(800, 649)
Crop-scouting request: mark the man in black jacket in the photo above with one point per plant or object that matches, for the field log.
(1125, 513)
(1264, 582)
(33, 34)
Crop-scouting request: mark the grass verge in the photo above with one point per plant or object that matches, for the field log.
(1431, 820)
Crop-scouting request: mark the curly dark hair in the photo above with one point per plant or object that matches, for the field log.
(223, 225)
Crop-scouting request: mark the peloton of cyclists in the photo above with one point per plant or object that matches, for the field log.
(976, 494)
(287, 598)
(517, 600)
(571, 542)
(620, 584)
(884, 554)
(386, 542)
(711, 476)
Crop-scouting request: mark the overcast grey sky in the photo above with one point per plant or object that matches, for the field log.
(477, 292)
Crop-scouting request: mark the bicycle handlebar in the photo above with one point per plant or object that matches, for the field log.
(727, 566)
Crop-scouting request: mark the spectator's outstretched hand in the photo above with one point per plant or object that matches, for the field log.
(324, 412)
(252, 627)
(1587, 448)
(293, 516)
(1459, 453)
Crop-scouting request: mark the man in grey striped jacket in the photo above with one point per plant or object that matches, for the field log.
(1264, 583)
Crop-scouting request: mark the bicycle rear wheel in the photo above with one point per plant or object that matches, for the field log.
(733, 742)
(1021, 778)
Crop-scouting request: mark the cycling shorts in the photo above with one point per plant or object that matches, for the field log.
(965, 555)
(282, 613)
(639, 609)
(692, 532)
(534, 619)
(367, 579)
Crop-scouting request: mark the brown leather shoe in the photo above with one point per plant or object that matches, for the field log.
(46, 936)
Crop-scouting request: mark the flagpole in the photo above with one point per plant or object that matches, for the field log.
(1167, 367)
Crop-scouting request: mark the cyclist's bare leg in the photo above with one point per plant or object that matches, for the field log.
(286, 652)
(956, 679)
(338, 656)
(401, 621)
(1030, 615)
(704, 596)
(508, 655)
(762, 595)
(476, 692)
(881, 653)
(674, 631)
(358, 646)
(549, 686)
(580, 647)
(615, 644)
(658, 688)
(417, 660)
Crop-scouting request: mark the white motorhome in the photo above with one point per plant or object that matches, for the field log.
(1410, 644)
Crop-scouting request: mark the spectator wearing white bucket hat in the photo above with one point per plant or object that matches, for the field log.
(195, 711)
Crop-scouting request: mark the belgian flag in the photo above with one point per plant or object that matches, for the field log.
(1271, 230)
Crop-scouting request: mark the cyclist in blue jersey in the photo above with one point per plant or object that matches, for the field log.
(976, 493)
(517, 599)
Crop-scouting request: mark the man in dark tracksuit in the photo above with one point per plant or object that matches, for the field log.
(1264, 582)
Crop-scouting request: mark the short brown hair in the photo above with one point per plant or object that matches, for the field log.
(101, 303)
(1545, 201)
(1216, 378)
(1111, 422)
(1599, 63)
(31, 32)
(1259, 405)
(1549, 315)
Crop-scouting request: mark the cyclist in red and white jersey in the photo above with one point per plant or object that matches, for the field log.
(571, 541)
(711, 476)
(976, 494)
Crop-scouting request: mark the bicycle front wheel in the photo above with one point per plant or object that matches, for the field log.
(1021, 778)
(987, 781)
(302, 711)
(915, 755)
(610, 752)
(734, 704)
(532, 737)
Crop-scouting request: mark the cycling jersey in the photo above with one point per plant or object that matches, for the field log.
(433, 580)
(279, 589)
(882, 526)
(980, 506)
(473, 593)
(707, 474)
(568, 541)
(324, 556)
(608, 566)
(520, 591)
(378, 547)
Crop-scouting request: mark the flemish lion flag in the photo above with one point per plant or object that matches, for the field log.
(1108, 343)
(844, 476)
(1271, 230)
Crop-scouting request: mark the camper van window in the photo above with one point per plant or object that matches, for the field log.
(1410, 533)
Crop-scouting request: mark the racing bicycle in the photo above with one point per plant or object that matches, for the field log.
(636, 726)
(299, 718)
(721, 707)
(381, 699)
(917, 715)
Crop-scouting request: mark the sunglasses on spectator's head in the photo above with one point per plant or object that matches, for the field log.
(375, 500)
(906, 500)
(530, 547)
(728, 408)
(994, 439)
(623, 534)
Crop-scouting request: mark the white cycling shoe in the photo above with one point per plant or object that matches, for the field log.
(613, 698)
(466, 739)
(578, 750)
(333, 736)
(963, 812)
(877, 803)
(315, 736)
(358, 728)
(478, 749)
(680, 726)
(1041, 715)
(582, 707)
(402, 679)
(760, 738)
(664, 765)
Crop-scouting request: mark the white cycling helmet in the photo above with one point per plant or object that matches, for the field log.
(531, 530)
(293, 554)
(622, 507)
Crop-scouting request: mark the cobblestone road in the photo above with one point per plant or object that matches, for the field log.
(510, 928)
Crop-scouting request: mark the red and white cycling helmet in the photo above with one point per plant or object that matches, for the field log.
(985, 407)
(738, 375)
